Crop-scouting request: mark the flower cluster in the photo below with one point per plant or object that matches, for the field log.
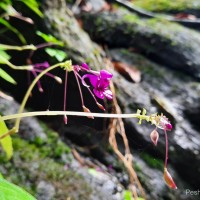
(163, 123)
(99, 81)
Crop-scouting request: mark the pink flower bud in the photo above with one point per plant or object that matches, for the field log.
(85, 109)
(168, 127)
(154, 137)
(100, 106)
(65, 119)
(168, 179)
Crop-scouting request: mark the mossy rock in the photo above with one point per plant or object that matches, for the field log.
(168, 43)
(167, 5)
(39, 162)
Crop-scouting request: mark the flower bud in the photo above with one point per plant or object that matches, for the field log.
(65, 119)
(85, 109)
(58, 79)
(168, 126)
(169, 180)
(154, 136)
(100, 106)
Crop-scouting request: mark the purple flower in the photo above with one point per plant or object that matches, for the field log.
(38, 68)
(100, 83)
(43, 65)
(164, 124)
(85, 66)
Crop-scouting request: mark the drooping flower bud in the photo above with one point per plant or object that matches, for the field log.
(168, 179)
(65, 119)
(100, 106)
(85, 66)
(154, 137)
(85, 109)
(164, 124)
(168, 126)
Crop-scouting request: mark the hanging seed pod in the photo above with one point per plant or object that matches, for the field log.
(168, 179)
(154, 137)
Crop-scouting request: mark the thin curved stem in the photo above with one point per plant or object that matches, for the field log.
(65, 95)
(18, 48)
(24, 67)
(29, 92)
(79, 87)
(166, 150)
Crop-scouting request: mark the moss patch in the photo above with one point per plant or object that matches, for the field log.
(167, 5)
(152, 162)
(42, 161)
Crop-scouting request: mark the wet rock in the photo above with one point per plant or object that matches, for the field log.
(164, 91)
(166, 42)
(45, 191)
(104, 185)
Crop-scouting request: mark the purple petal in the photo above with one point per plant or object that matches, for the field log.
(85, 66)
(93, 80)
(98, 93)
(103, 83)
(168, 127)
(105, 74)
(43, 65)
(108, 94)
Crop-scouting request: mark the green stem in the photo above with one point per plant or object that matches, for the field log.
(17, 48)
(72, 113)
(25, 67)
(30, 89)
(54, 113)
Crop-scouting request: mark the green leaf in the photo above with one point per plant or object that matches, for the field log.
(7, 77)
(33, 5)
(58, 54)
(6, 142)
(1, 176)
(127, 195)
(9, 191)
(92, 171)
(4, 4)
(49, 38)
(13, 29)
(4, 57)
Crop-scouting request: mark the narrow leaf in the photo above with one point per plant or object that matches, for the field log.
(3, 57)
(61, 55)
(34, 6)
(13, 29)
(9, 191)
(7, 77)
(58, 54)
(49, 38)
(6, 142)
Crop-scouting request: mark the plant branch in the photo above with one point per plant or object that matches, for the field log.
(17, 48)
(71, 113)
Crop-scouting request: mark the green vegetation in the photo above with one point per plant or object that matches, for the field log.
(167, 5)
(41, 160)
(152, 162)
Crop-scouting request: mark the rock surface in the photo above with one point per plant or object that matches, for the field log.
(166, 42)
(167, 91)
